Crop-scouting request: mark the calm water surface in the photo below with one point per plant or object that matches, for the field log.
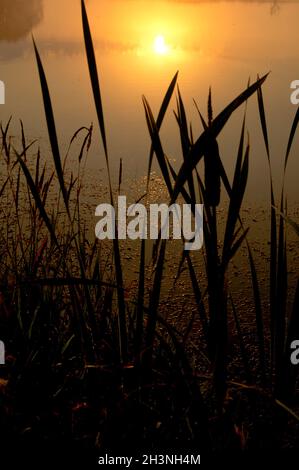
(139, 47)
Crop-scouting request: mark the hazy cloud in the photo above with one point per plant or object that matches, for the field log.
(18, 17)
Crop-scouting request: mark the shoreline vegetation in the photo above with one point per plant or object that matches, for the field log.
(88, 365)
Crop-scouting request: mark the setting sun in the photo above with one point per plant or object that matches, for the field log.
(160, 47)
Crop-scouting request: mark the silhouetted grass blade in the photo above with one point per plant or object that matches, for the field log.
(273, 237)
(159, 121)
(36, 197)
(212, 173)
(154, 305)
(258, 314)
(123, 340)
(263, 119)
(185, 140)
(211, 163)
(140, 302)
(93, 71)
(203, 142)
(291, 138)
(242, 344)
(290, 222)
(156, 143)
(51, 125)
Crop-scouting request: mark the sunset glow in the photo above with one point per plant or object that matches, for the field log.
(149, 286)
(160, 46)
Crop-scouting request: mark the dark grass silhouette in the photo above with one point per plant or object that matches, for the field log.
(84, 365)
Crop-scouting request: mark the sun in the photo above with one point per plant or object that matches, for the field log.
(160, 46)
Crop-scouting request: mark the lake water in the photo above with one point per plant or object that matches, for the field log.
(139, 47)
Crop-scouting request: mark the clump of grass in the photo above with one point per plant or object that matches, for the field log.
(208, 189)
(277, 372)
(282, 329)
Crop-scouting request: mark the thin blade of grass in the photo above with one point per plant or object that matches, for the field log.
(291, 138)
(160, 118)
(154, 306)
(273, 236)
(185, 140)
(289, 221)
(287, 409)
(241, 340)
(140, 302)
(236, 198)
(281, 300)
(94, 77)
(51, 125)
(36, 197)
(258, 313)
(156, 143)
(201, 145)
(263, 119)
(198, 296)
